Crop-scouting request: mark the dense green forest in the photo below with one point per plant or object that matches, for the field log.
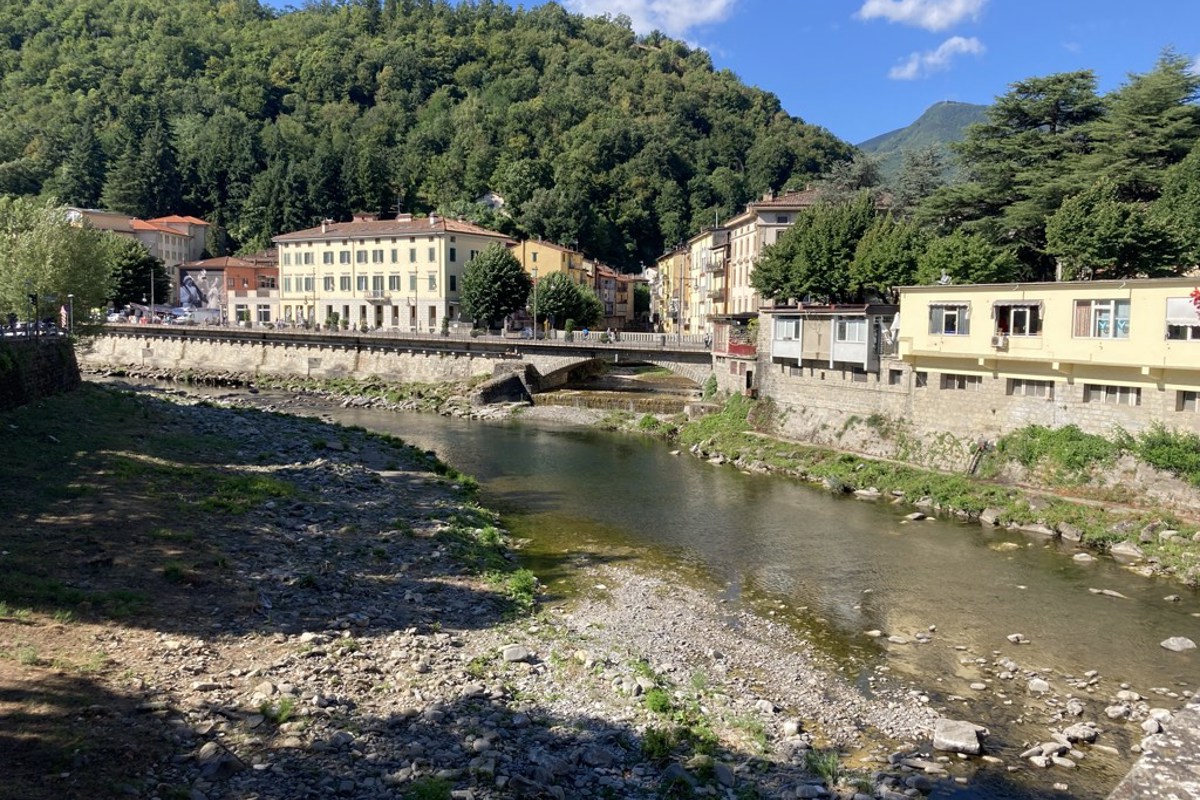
(263, 122)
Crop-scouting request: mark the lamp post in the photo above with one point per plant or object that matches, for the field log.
(70, 313)
(679, 308)
(533, 272)
(416, 284)
(151, 294)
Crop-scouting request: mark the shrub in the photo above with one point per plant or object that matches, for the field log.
(1171, 451)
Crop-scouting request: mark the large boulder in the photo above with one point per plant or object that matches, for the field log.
(955, 736)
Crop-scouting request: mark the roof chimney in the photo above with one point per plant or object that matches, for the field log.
(405, 217)
(433, 220)
(325, 225)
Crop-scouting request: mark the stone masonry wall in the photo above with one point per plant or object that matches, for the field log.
(32, 368)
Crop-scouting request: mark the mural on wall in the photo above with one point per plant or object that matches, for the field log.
(201, 289)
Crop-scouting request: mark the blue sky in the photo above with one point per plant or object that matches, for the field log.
(865, 67)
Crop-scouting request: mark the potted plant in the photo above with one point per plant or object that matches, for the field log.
(569, 331)
(445, 326)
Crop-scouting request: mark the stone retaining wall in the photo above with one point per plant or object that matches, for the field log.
(35, 367)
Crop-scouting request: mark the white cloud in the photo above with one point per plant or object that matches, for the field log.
(932, 15)
(921, 65)
(672, 17)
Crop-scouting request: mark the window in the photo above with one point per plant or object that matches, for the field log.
(287, 259)
(308, 283)
(377, 283)
(921, 379)
(395, 255)
(1019, 320)
(264, 313)
(393, 283)
(327, 257)
(473, 254)
(344, 257)
(851, 330)
(376, 256)
(858, 375)
(1187, 401)
(412, 255)
(308, 259)
(454, 283)
(344, 283)
(454, 254)
(1102, 319)
(245, 283)
(1183, 333)
(287, 284)
(229, 282)
(949, 320)
(956, 382)
(432, 281)
(781, 219)
(432, 254)
(266, 281)
(329, 283)
(895, 377)
(360, 257)
(361, 283)
(1112, 395)
(533, 257)
(787, 329)
(1023, 387)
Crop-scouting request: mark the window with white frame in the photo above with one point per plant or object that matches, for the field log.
(946, 319)
(329, 283)
(1183, 320)
(432, 281)
(376, 256)
(787, 328)
(377, 283)
(264, 312)
(393, 283)
(361, 283)
(287, 284)
(308, 258)
(344, 257)
(1187, 400)
(1025, 387)
(1018, 319)
(344, 283)
(1112, 395)
(360, 256)
(327, 257)
(853, 331)
(287, 259)
(1101, 319)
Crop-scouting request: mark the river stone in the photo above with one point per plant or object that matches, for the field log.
(1039, 529)
(1126, 551)
(990, 516)
(1178, 644)
(516, 652)
(956, 736)
(1038, 686)
(1081, 733)
(1152, 726)
(724, 774)
(1083, 558)
(1069, 532)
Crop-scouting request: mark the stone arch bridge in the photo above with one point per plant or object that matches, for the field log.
(402, 358)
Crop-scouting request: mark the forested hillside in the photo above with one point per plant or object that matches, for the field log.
(941, 124)
(263, 122)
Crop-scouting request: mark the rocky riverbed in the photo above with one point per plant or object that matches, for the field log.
(639, 684)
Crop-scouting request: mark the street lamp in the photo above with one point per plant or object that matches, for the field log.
(70, 313)
(416, 285)
(151, 294)
(533, 272)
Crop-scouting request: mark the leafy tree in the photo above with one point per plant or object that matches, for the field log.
(968, 258)
(133, 271)
(812, 259)
(561, 298)
(493, 286)
(846, 179)
(42, 253)
(1095, 234)
(887, 256)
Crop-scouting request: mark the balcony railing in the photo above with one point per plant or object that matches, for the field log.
(377, 294)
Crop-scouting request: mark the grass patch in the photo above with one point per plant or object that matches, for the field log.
(428, 789)
(280, 711)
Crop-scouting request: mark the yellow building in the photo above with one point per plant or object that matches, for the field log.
(548, 258)
(1091, 353)
(706, 279)
(401, 273)
(668, 289)
(760, 225)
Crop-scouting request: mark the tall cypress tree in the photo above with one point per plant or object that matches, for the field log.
(80, 179)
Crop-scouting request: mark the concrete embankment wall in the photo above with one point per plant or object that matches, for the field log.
(318, 357)
(35, 367)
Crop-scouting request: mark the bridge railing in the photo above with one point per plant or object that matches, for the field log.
(624, 339)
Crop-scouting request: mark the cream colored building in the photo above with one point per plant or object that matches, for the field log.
(760, 225)
(401, 273)
(706, 278)
(669, 293)
(1091, 353)
(172, 240)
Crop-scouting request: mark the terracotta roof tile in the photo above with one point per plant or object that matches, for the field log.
(386, 227)
(177, 218)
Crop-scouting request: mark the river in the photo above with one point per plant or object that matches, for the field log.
(838, 567)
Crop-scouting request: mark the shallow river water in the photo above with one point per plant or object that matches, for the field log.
(837, 567)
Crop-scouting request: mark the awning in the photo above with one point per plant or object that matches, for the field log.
(950, 304)
(1023, 303)
(1180, 311)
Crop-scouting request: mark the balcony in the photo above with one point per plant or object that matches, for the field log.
(377, 295)
(717, 295)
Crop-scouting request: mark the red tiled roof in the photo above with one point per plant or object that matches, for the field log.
(177, 218)
(143, 225)
(223, 262)
(386, 227)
